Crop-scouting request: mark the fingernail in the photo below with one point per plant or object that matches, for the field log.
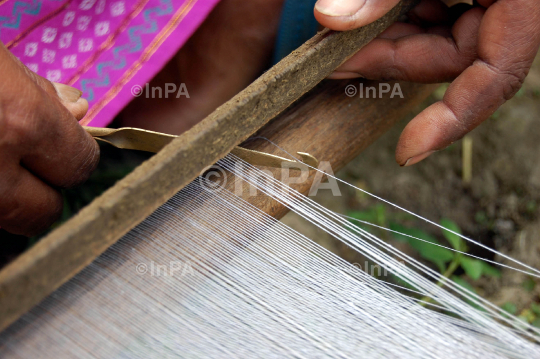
(415, 159)
(67, 93)
(339, 7)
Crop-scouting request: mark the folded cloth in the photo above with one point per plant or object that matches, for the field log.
(106, 48)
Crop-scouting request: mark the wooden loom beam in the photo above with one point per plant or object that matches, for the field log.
(68, 249)
(330, 126)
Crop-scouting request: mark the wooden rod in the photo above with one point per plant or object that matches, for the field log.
(332, 127)
(67, 250)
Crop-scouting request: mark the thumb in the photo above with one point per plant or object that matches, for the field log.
(342, 15)
(71, 98)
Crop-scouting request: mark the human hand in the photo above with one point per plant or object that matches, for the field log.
(487, 53)
(42, 147)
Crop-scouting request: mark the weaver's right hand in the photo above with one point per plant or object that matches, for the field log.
(42, 146)
(486, 50)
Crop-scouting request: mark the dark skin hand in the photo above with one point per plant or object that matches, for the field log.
(487, 53)
(42, 147)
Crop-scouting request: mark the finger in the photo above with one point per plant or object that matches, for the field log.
(43, 134)
(342, 15)
(71, 99)
(63, 154)
(29, 205)
(407, 52)
(430, 12)
(508, 42)
(69, 96)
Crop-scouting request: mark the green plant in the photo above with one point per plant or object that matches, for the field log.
(529, 284)
(530, 315)
(447, 261)
(375, 214)
(427, 246)
(509, 308)
(378, 216)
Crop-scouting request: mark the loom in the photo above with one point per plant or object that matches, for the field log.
(76, 292)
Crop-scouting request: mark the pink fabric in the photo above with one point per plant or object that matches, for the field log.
(102, 47)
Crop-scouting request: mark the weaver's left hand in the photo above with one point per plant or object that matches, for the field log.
(487, 53)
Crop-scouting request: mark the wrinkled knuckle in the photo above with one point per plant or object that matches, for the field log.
(512, 79)
(392, 70)
(516, 78)
(510, 88)
(462, 124)
(20, 126)
(390, 74)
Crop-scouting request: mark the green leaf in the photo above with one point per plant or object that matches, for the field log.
(463, 283)
(509, 308)
(455, 240)
(402, 282)
(403, 217)
(437, 255)
(529, 284)
(367, 216)
(424, 245)
(401, 229)
(536, 323)
(535, 308)
(490, 271)
(380, 212)
(473, 267)
(413, 232)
